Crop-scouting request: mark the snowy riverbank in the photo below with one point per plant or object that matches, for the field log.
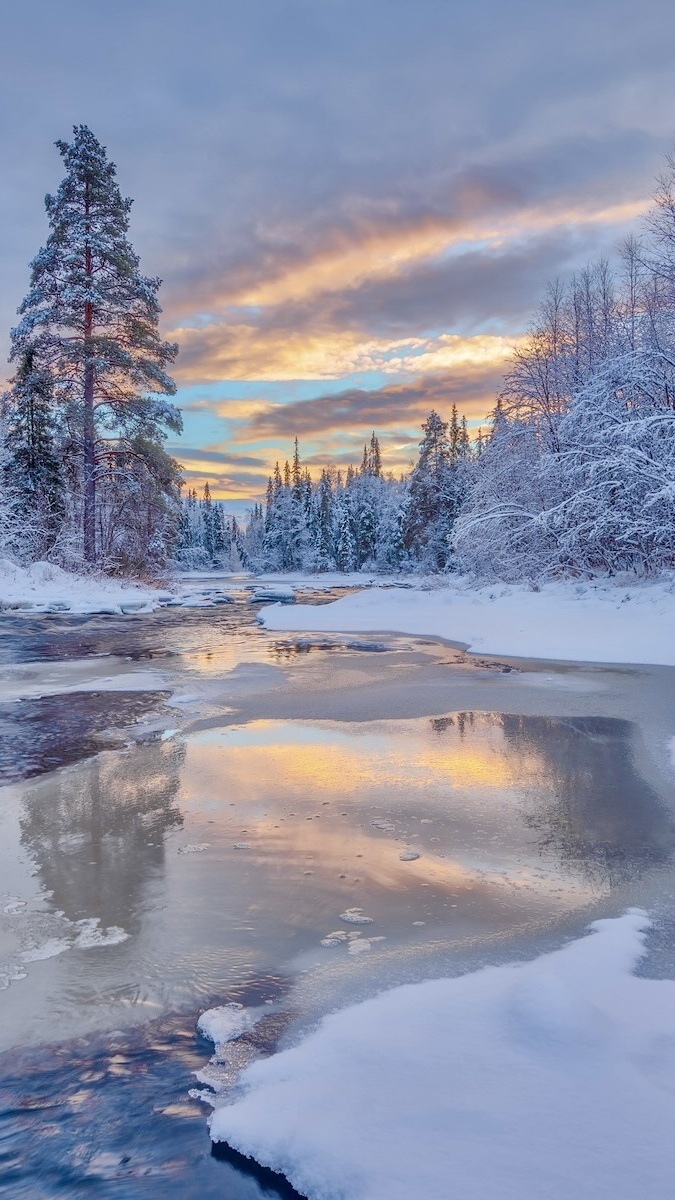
(44, 587)
(549, 1079)
(582, 622)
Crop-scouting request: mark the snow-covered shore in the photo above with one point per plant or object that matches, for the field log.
(550, 1079)
(582, 622)
(44, 587)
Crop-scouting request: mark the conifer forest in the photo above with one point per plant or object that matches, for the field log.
(571, 472)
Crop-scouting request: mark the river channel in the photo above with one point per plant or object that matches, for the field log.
(195, 811)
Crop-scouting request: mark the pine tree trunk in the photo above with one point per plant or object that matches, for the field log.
(89, 439)
(88, 427)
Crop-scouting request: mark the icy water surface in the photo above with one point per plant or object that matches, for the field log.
(290, 822)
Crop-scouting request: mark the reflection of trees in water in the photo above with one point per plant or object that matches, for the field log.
(592, 809)
(597, 811)
(97, 834)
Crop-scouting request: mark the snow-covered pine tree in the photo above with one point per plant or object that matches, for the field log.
(298, 540)
(345, 549)
(374, 456)
(90, 320)
(322, 521)
(432, 498)
(15, 531)
(32, 466)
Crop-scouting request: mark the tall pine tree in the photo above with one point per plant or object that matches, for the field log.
(90, 320)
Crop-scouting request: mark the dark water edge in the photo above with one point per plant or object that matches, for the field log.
(271, 1183)
(43, 734)
(109, 1116)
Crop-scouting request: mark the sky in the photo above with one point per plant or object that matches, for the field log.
(354, 205)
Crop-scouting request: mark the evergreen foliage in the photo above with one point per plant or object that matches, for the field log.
(32, 467)
(207, 537)
(350, 522)
(91, 363)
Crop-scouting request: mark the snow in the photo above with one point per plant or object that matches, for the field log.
(282, 592)
(584, 622)
(224, 1024)
(552, 1079)
(45, 587)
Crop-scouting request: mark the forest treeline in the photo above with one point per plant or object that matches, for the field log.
(364, 518)
(572, 473)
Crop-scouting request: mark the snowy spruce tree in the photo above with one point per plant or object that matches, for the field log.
(32, 468)
(89, 326)
(433, 496)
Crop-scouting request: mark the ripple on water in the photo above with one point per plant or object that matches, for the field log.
(110, 1115)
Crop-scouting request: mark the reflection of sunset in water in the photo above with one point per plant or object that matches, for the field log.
(464, 791)
(342, 761)
(230, 852)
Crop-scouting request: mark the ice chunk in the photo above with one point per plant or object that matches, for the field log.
(354, 916)
(359, 947)
(48, 949)
(227, 1022)
(335, 938)
(91, 934)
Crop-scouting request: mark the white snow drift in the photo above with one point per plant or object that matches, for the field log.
(584, 622)
(552, 1079)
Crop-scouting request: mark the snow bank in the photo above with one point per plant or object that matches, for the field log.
(554, 1079)
(582, 622)
(44, 587)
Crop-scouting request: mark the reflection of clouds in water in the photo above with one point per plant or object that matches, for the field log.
(459, 790)
(343, 760)
(97, 834)
(489, 781)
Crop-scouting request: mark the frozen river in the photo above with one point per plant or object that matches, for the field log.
(197, 811)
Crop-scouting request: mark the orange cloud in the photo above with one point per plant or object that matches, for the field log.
(371, 252)
(315, 340)
(248, 353)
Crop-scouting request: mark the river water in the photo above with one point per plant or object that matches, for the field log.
(191, 806)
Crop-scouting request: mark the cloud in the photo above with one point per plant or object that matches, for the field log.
(198, 455)
(398, 405)
(367, 313)
(338, 188)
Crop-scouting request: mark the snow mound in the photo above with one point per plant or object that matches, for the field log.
(599, 621)
(554, 1078)
(46, 588)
